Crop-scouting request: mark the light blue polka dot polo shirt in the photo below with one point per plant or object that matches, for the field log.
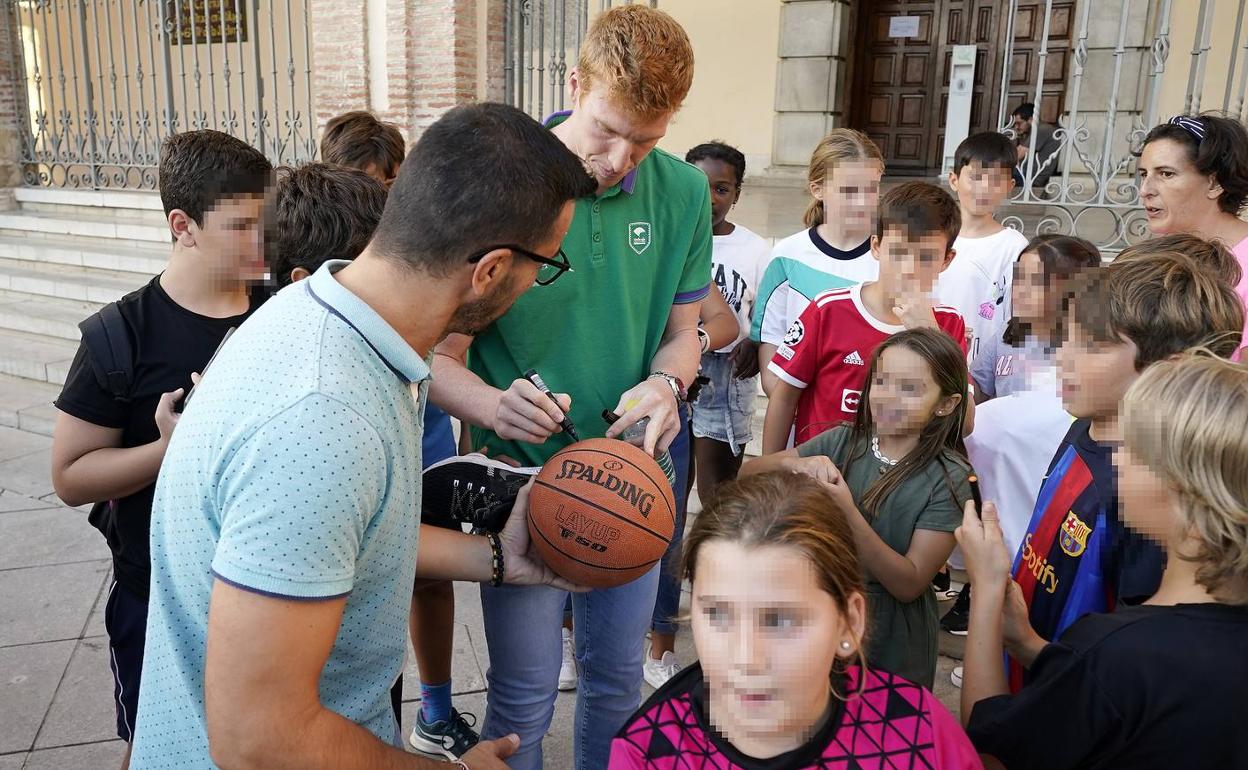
(295, 472)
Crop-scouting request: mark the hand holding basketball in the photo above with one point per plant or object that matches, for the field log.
(651, 398)
(522, 564)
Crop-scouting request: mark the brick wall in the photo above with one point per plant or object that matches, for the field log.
(431, 58)
(12, 96)
(443, 55)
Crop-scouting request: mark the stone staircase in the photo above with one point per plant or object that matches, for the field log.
(63, 254)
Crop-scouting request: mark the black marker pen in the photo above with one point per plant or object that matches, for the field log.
(535, 378)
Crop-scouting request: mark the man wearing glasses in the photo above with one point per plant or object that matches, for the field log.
(618, 332)
(284, 545)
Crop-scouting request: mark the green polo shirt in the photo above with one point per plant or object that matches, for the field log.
(636, 250)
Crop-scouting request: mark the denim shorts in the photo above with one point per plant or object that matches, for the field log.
(724, 410)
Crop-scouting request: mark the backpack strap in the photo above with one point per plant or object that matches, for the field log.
(107, 338)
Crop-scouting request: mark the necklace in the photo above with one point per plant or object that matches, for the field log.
(875, 450)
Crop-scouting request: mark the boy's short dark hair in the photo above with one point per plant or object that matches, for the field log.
(919, 208)
(717, 150)
(1165, 303)
(319, 212)
(199, 168)
(987, 148)
(1026, 110)
(358, 139)
(483, 175)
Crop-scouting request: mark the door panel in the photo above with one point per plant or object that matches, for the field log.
(901, 99)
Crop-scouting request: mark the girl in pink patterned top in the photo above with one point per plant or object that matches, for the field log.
(1194, 179)
(778, 615)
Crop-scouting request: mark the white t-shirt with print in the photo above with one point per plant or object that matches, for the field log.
(737, 263)
(977, 282)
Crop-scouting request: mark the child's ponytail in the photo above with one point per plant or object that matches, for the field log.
(840, 145)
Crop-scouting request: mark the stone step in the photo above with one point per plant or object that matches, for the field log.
(126, 256)
(84, 223)
(35, 357)
(27, 405)
(122, 205)
(45, 316)
(85, 284)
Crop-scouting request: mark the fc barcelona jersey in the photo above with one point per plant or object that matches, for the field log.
(1076, 556)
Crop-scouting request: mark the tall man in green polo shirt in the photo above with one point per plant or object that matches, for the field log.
(619, 332)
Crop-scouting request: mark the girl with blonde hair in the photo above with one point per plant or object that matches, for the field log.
(833, 250)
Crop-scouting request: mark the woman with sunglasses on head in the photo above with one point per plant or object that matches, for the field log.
(1194, 179)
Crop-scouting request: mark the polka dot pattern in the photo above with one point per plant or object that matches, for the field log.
(295, 472)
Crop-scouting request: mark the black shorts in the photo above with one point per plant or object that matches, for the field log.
(125, 619)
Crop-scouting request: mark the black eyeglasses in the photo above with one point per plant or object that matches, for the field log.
(550, 269)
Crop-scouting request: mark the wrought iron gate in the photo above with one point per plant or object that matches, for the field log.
(107, 80)
(542, 40)
(1094, 190)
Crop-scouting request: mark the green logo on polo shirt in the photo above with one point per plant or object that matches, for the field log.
(639, 236)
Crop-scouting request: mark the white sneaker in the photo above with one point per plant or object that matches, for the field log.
(657, 672)
(567, 669)
(955, 676)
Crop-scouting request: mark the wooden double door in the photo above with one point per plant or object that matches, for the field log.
(902, 56)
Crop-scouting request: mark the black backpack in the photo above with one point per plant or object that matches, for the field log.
(107, 337)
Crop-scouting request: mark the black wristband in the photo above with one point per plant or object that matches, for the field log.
(496, 559)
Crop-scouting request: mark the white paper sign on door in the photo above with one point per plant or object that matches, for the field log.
(903, 26)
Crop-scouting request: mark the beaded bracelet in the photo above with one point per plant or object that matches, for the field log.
(496, 559)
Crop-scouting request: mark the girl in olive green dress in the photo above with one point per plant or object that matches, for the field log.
(900, 477)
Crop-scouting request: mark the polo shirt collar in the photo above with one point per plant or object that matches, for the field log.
(627, 184)
(389, 346)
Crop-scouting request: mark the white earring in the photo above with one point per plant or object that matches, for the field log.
(845, 645)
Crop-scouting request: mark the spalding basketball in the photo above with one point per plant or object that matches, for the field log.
(601, 513)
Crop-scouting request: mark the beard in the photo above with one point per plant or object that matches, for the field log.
(476, 316)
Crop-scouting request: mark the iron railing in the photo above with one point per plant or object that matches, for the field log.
(542, 38)
(107, 80)
(1093, 190)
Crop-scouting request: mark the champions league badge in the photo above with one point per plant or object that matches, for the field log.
(795, 333)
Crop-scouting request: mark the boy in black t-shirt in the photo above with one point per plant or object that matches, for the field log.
(1076, 556)
(1159, 685)
(116, 416)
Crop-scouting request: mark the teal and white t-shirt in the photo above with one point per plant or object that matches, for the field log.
(803, 266)
(295, 473)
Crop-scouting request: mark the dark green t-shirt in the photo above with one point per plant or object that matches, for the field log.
(636, 250)
(901, 636)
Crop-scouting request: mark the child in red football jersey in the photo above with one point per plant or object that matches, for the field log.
(778, 615)
(823, 361)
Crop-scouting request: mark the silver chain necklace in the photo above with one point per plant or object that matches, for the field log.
(875, 450)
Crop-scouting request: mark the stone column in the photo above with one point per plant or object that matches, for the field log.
(811, 84)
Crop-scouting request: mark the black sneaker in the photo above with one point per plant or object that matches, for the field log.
(473, 489)
(450, 738)
(941, 580)
(956, 618)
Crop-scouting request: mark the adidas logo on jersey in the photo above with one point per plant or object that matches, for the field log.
(853, 359)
